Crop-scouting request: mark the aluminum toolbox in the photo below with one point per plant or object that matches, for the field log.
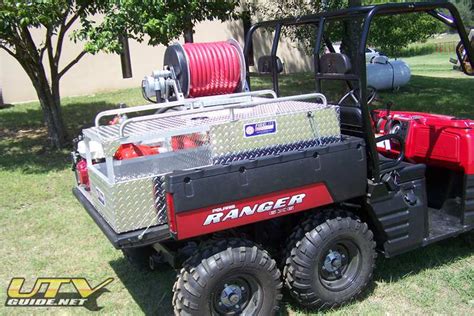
(329, 164)
(129, 194)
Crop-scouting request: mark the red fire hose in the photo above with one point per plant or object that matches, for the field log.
(215, 68)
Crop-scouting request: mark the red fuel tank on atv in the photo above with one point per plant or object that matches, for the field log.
(436, 140)
(128, 151)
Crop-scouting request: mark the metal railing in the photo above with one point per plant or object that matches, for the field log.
(190, 103)
(231, 108)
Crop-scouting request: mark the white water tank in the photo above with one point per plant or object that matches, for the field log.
(384, 74)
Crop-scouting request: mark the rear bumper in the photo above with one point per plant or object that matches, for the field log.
(125, 240)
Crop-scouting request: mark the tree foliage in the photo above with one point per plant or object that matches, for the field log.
(389, 33)
(303, 36)
(159, 22)
(393, 33)
(466, 10)
(98, 24)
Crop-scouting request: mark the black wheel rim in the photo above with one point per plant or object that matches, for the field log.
(339, 265)
(236, 295)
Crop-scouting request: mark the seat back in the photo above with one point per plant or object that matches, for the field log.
(351, 121)
(334, 63)
(351, 116)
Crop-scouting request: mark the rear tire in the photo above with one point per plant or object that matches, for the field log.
(332, 263)
(228, 277)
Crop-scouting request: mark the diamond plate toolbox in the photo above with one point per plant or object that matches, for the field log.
(293, 126)
(130, 195)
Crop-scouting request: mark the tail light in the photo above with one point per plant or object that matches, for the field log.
(170, 213)
(82, 175)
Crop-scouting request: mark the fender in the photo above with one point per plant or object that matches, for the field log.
(233, 214)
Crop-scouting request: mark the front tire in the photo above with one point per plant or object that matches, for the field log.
(332, 263)
(228, 277)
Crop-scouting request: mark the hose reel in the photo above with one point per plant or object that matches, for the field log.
(196, 70)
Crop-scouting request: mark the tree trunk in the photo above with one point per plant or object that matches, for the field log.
(188, 31)
(188, 35)
(50, 103)
(1, 97)
(351, 35)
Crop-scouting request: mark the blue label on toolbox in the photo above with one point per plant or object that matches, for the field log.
(262, 128)
(100, 196)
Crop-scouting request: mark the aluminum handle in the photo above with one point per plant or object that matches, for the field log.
(223, 107)
(148, 107)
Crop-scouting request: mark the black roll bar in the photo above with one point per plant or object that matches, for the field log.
(360, 74)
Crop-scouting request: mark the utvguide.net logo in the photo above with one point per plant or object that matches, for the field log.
(55, 292)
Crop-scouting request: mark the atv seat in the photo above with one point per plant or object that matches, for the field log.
(407, 171)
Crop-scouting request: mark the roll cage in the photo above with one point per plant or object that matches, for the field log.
(358, 73)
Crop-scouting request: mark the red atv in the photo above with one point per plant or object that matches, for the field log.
(247, 191)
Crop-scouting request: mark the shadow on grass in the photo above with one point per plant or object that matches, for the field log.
(5, 106)
(76, 115)
(24, 145)
(151, 290)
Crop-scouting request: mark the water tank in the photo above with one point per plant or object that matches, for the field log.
(384, 74)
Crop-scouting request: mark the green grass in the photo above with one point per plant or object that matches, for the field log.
(434, 65)
(445, 42)
(45, 232)
(435, 87)
(443, 38)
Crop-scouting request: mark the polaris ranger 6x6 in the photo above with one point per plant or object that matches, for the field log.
(211, 177)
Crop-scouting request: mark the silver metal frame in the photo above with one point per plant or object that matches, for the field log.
(189, 103)
(230, 107)
(110, 140)
(120, 189)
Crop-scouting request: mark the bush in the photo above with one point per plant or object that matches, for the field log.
(417, 50)
(426, 49)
